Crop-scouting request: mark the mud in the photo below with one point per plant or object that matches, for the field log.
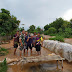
(40, 67)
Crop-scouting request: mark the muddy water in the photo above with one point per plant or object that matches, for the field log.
(35, 67)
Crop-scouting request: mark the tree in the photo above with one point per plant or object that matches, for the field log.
(8, 23)
(71, 23)
(68, 32)
(21, 28)
(31, 29)
(51, 30)
(60, 27)
(46, 27)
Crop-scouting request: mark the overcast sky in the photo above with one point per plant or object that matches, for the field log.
(38, 12)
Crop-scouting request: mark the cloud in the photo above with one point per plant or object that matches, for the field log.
(37, 12)
(68, 15)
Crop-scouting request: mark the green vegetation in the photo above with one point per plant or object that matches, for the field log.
(21, 28)
(3, 51)
(8, 23)
(59, 27)
(3, 66)
(33, 29)
(57, 37)
(50, 31)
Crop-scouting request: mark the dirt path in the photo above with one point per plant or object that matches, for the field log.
(68, 40)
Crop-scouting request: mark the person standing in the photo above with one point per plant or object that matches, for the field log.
(39, 40)
(16, 41)
(34, 39)
(28, 41)
(22, 41)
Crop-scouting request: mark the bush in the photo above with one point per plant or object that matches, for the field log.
(3, 66)
(50, 31)
(35, 31)
(68, 32)
(52, 34)
(46, 32)
(58, 37)
(3, 34)
(3, 51)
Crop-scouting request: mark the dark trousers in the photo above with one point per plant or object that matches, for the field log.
(28, 45)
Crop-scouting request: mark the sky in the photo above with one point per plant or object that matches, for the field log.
(38, 12)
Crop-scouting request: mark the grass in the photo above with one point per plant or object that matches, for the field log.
(3, 66)
(58, 38)
(3, 51)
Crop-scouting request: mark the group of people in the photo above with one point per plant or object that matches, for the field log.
(25, 41)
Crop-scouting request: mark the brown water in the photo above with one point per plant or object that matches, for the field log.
(36, 67)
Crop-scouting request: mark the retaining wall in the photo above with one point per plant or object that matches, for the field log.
(63, 49)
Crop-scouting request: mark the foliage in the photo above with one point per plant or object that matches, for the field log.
(46, 27)
(39, 30)
(68, 32)
(3, 34)
(35, 31)
(61, 27)
(58, 37)
(3, 66)
(31, 29)
(20, 29)
(46, 32)
(8, 23)
(51, 30)
(3, 51)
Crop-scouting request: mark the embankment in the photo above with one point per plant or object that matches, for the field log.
(63, 49)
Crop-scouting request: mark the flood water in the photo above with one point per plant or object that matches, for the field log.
(35, 67)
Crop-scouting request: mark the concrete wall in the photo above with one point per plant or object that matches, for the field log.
(63, 49)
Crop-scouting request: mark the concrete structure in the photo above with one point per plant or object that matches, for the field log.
(60, 48)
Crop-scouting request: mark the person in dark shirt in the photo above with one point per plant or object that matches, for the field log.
(34, 39)
(16, 41)
(28, 42)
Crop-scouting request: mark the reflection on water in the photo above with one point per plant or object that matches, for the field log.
(46, 67)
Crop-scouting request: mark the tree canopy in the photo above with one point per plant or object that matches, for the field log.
(59, 26)
(8, 22)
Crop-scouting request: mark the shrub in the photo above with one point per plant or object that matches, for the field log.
(68, 32)
(3, 34)
(58, 37)
(46, 32)
(51, 30)
(52, 34)
(3, 51)
(3, 66)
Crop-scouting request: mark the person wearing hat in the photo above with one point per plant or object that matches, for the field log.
(16, 41)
